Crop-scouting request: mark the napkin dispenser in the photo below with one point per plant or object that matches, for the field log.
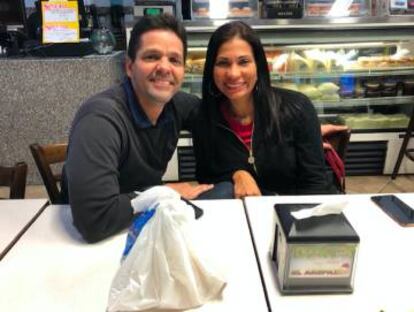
(313, 255)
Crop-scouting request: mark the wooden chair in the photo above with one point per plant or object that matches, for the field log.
(45, 156)
(404, 150)
(14, 178)
(339, 141)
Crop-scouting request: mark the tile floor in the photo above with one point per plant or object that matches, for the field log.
(379, 184)
(354, 185)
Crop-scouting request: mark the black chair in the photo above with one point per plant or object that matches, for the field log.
(339, 141)
(14, 178)
(404, 150)
(45, 156)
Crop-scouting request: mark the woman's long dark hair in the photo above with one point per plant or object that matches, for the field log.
(266, 103)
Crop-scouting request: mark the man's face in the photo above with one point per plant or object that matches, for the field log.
(158, 70)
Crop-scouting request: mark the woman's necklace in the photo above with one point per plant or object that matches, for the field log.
(242, 118)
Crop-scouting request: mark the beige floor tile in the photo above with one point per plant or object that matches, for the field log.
(379, 184)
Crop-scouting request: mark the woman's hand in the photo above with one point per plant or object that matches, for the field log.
(189, 191)
(245, 184)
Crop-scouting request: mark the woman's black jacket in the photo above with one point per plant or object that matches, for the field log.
(293, 165)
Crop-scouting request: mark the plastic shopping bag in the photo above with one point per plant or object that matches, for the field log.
(165, 269)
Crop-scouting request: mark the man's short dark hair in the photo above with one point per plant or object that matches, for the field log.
(154, 22)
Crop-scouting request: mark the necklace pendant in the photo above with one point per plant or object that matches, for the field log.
(250, 160)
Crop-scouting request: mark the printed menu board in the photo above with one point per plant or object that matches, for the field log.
(60, 21)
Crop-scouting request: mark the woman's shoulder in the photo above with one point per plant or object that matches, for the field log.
(293, 103)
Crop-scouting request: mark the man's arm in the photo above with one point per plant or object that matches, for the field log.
(98, 208)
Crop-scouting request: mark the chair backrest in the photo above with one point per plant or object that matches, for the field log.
(339, 141)
(45, 156)
(14, 178)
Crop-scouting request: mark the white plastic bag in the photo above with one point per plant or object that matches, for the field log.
(165, 269)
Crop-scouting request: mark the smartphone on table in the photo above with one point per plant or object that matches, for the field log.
(395, 208)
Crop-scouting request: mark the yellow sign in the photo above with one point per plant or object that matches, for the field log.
(60, 21)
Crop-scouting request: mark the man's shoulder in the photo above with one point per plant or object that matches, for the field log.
(181, 98)
(107, 101)
(186, 104)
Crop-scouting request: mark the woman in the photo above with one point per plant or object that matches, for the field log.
(265, 140)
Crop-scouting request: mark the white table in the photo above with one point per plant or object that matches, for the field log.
(384, 270)
(15, 215)
(52, 269)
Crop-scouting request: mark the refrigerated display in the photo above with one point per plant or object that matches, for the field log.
(216, 9)
(337, 8)
(356, 71)
(401, 7)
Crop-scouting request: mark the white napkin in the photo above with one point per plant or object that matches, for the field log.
(320, 210)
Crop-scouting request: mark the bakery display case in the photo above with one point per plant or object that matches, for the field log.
(202, 9)
(356, 71)
(337, 8)
(366, 86)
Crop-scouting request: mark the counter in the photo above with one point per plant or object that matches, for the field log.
(39, 97)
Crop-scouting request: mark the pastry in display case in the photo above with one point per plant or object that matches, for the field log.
(337, 8)
(282, 9)
(402, 7)
(216, 9)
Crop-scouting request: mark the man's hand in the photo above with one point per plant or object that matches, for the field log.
(327, 130)
(188, 191)
(244, 184)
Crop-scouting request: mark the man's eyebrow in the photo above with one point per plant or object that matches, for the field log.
(156, 51)
(176, 54)
(151, 51)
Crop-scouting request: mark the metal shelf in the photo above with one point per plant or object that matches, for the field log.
(309, 23)
(392, 71)
(312, 30)
(398, 100)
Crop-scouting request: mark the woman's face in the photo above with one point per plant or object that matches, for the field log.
(235, 72)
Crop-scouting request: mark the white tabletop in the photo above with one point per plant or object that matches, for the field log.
(384, 270)
(52, 269)
(15, 214)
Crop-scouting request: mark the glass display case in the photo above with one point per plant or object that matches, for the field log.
(356, 71)
(224, 9)
(334, 8)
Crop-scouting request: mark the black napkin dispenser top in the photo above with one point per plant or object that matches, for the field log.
(313, 255)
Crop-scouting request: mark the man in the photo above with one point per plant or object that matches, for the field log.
(122, 139)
